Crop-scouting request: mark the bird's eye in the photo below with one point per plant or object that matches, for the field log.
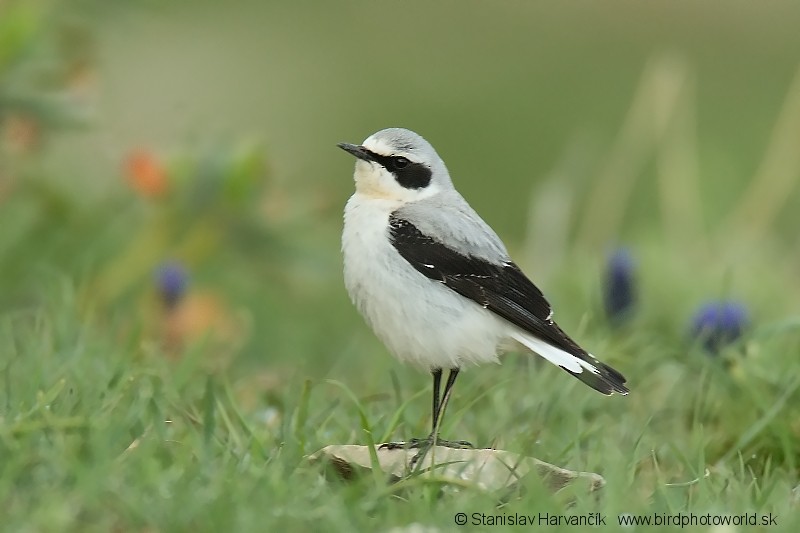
(401, 162)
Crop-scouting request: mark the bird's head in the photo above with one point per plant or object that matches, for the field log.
(398, 164)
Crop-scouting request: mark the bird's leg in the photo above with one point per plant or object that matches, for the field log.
(438, 415)
(439, 407)
(418, 443)
(437, 381)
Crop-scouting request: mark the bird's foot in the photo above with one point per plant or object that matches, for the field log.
(423, 445)
(427, 442)
(455, 444)
(408, 445)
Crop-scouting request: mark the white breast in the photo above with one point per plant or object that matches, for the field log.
(419, 320)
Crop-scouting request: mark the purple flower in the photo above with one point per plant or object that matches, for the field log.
(171, 280)
(717, 324)
(619, 286)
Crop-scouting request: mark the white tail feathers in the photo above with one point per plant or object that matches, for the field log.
(557, 356)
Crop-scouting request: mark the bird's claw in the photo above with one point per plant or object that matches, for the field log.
(427, 442)
(423, 445)
(408, 445)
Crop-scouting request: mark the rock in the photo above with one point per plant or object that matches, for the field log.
(491, 470)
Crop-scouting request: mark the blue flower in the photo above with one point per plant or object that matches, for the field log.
(171, 280)
(619, 287)
(717, 324)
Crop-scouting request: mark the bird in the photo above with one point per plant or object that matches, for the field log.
(435, 283)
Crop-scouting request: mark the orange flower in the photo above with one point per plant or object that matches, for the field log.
(203, 319)
(146, 174)
(21, 134)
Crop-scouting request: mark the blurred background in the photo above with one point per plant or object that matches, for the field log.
(169, 170)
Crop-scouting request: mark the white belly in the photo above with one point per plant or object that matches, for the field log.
(419, 320)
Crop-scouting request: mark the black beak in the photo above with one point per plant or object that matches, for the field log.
(358, 151)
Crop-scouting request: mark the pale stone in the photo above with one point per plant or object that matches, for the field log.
(490, 470)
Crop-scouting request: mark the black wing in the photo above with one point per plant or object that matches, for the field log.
(501, 288)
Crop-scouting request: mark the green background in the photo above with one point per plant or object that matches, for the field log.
(670, 128)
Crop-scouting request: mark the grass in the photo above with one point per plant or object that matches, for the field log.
(120, 413)
(97, 435)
